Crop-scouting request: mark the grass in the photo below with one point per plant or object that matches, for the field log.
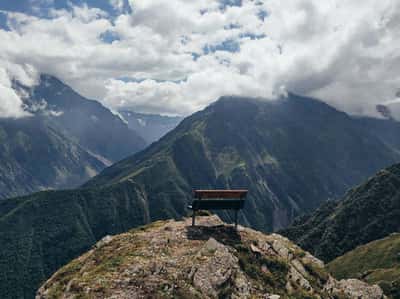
(377, 262)
(319, 275)
(64, 276)
(251, 263)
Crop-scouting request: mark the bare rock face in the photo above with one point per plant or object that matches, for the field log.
(219, 260)
(353, 288)
(171, 259)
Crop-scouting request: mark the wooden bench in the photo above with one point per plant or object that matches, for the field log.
(218, 200)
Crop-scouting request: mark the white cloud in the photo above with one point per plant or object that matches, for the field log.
(173, 54)
(11, 103)
(118, 5)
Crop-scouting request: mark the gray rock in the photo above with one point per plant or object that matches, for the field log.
(218, 271)
(354, 288)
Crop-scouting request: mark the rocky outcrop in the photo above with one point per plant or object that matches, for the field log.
(353, 288)
(171, 259)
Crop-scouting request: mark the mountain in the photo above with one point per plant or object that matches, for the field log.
(35, 156)
(291, 154)
(67, 140)
(390, 109)
(377, 262)
(387, 131)
(94, 126)
(150, 127)
(170, 259)
(368, 212)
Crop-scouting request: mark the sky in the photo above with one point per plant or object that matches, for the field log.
(177, 56)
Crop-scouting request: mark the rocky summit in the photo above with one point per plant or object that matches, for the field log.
(171, 259)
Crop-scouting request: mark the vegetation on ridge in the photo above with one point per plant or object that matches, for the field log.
(170, 259)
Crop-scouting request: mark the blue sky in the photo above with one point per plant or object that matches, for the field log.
(177, 56)
(40, 7)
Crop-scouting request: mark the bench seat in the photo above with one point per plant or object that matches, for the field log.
(217, 204)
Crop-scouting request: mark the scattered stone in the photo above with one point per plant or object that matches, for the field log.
(353, 288)
(171, 259)
(255, 249)
(216, 271)
(104, 241)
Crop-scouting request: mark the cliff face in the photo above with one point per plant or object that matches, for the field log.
(171, 259)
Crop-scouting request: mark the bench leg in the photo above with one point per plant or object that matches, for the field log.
(236, 218)
(193, 216)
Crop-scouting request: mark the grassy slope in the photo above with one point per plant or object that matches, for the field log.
(177, 249)
(377, 262)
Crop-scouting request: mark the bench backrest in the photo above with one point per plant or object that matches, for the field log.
(220, 194)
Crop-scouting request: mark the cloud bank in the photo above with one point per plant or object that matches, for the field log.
(177, 56)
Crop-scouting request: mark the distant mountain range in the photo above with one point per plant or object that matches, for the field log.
(292, 154)
(67, 140)
(150, 127)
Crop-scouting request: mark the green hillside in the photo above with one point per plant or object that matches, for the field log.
(40, 233)
(377, 262)
(368, 212)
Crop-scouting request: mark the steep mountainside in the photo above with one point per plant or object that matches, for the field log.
(150, 127)
(291, 154)
(169, 259)
(377, 262)
(34, 156)
(67, 140)
(370, 211)
(385, 130)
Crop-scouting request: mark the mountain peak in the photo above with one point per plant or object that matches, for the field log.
(173, 259)
(290, 100)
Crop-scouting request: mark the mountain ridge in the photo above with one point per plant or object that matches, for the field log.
(93, 125)
(66, 140)
(290, 154)
(171, 259)
(368, 212)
